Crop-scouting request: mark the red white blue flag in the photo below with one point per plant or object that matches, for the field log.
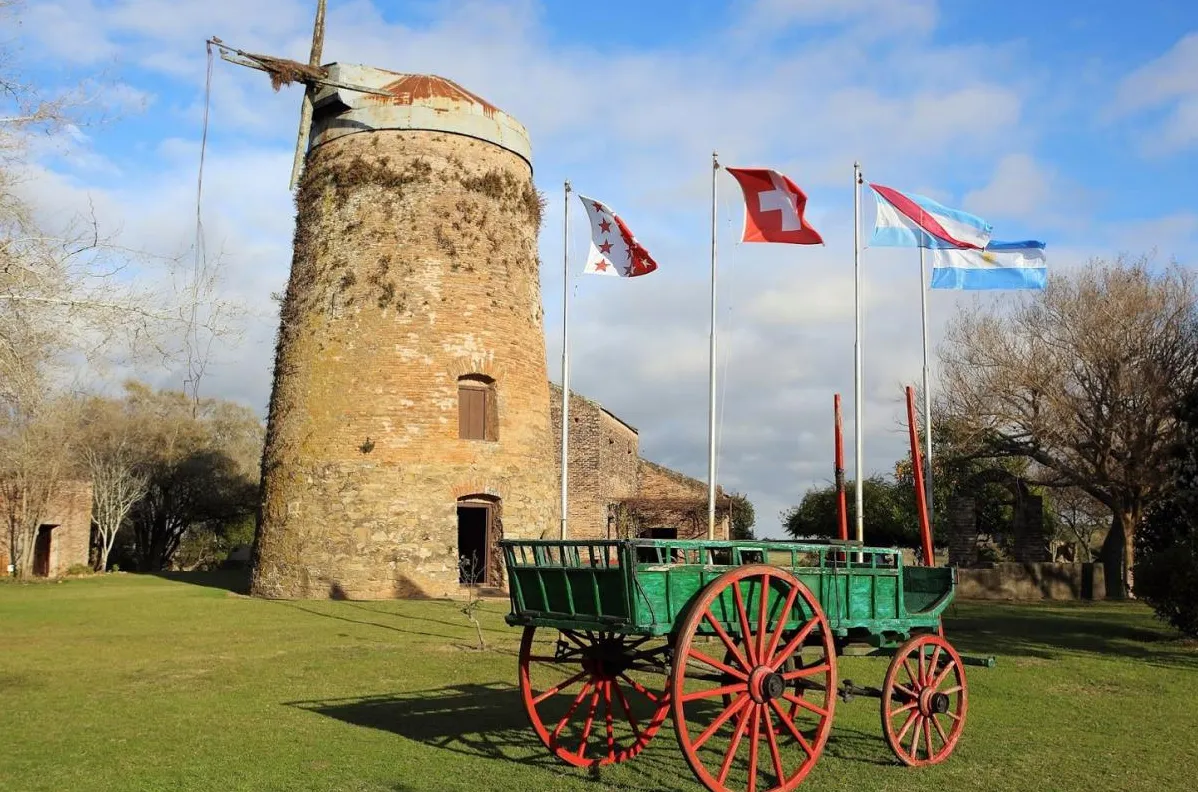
(910, 220)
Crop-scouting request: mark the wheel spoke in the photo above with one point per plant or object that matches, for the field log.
(716, 664)
(639, 688)
(741, 723)
(943, 675)
(792, 645)
(807, 705)
(754, 736)
(806, 672)
(764, 597)
(906, 726)
(908, 706)
(933, 663)
(739, 687)
(728, 642)
(915, 682)
(588, 723)
(773, 743)
(743, 616)
(566, 718)
(952, 690)
(788, 722)
(559, 687)
(939, 730)
(923, 680)
(906, 691)
(576, 639)
(782, 619)
(927, 735)
(611, 728)
(953, 715)
(914, 749)
(636, 728)
(723, 718)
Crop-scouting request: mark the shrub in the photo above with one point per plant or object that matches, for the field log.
(79, 569)
(1168, 581)
(1166, 570)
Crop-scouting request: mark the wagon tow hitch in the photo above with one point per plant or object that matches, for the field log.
(848, 691)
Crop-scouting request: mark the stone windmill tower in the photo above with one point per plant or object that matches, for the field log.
(409, 416)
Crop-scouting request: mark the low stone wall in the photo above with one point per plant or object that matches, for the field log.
(1030, 581)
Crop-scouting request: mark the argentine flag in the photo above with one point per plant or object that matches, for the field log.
(1000, 265)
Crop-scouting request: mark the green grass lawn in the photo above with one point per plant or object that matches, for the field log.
(142, 683)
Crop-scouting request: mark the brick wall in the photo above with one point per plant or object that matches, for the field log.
(415, 264)
(604, 462)
(70, 513)
(606, 469)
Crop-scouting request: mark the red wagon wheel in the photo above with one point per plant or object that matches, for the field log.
(594, 698)
(770, 731)
(924, 701)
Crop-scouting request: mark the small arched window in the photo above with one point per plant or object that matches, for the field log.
(478, 414)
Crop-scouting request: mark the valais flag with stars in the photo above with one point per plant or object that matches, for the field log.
(774, 207)
(614, 250)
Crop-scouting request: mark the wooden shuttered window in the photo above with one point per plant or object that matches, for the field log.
(472, 412)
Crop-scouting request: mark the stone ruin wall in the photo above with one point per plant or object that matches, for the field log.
(604, 462)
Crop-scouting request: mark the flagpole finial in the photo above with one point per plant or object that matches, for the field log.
(715, 160)
(568, 187)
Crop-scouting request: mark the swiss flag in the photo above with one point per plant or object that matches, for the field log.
(774, 208)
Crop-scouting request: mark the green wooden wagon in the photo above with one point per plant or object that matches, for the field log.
(737, 642)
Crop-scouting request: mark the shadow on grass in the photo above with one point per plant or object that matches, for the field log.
(236, 581)
(488, 721)
(1052, 632)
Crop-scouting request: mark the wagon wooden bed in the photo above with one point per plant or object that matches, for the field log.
(737, 643)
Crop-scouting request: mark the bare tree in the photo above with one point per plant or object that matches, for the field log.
(1081, 518)
(1082, 380)
(118, 482)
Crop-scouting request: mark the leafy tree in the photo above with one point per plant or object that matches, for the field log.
(1167, 565)
(1080, 380)
(743, 517)
(201, 461)
(888, 515)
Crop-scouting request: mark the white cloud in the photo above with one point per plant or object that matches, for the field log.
(1167, 88)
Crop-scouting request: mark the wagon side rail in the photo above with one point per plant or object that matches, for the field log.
(569, 584)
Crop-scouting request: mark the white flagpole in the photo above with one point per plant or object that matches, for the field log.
(565, 356)
(715, 167)
(859, 498)
(927, 386)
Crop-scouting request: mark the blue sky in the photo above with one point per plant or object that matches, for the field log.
(1071, 122)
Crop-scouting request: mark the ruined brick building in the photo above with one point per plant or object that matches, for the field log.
(410, 416)
(64, 536)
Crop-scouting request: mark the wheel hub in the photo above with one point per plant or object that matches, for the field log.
(933, 703)
(766, 684)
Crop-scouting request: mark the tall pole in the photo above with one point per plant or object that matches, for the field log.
(927, 387)
(565, 357)
(715, 168)
(305, 126)
(859, 499)
(842, 512)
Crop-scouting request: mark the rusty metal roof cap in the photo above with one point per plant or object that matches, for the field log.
(413, 101)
